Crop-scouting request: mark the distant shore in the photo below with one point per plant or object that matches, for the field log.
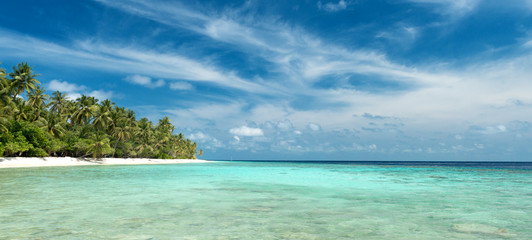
(17, 162)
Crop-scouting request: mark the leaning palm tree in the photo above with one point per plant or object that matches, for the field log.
(23, 79)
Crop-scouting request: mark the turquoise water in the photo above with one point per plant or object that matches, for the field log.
(243, 200)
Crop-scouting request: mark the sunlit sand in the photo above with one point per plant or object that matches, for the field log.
(13, 162)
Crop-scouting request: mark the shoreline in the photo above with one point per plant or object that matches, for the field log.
(22, 162)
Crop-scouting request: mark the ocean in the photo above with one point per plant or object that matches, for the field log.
(269, 200)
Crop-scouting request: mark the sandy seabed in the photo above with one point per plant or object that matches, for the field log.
(13, 162)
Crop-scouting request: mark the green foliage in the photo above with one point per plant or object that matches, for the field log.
(14, 144)
(23, 79)
(84, 127)
(36, 152)
(35, 136)
(99, 145)
(54, 146)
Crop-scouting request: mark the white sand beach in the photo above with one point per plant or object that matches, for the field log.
(14, 162)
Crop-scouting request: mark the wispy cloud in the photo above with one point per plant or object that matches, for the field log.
(326, 77)
(440, 93)
(181, 86)
(454, 8)
(90, 54)
(333, 7)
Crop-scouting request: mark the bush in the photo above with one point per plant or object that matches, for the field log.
(14, 144)
(36, 152)
(36, 136)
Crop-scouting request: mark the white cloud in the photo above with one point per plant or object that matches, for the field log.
(454, 8)
(442, 95)
(333, 7)
(528, 44)
(64, 86)
(137, 79)
(314, 126)
(285, 125)
(73, 95)
(75, 91)
(181, 86)
(144, 81)
(401, 34)
(198, 136)
(198, 115)
(445, 97)
(493, 129)
(102, 56)
(100, 94)
(205, 141)
(246, 131)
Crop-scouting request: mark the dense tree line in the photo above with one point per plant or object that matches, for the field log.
(41, 125)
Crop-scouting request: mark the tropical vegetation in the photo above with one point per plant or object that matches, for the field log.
(35, 124)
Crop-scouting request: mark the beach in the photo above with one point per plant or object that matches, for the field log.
(16, 162)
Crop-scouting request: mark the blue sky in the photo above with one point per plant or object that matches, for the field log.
(330, 80)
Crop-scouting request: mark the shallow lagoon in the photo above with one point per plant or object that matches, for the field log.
(266, 200)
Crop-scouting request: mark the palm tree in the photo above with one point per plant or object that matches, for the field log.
(21, 111)
(165, 125)
(69, 109)
(6, 100)
(85, 111)
(117, 114)
(58, 102)
(23, 79)
(37, 101)
(3, 73)
(144, 136)
(130, 116)
(99, 145)
(6, 103)
(102, 117)
(121, 132)
(108, 104)
(52, 124)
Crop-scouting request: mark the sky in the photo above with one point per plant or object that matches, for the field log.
(296, 80)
